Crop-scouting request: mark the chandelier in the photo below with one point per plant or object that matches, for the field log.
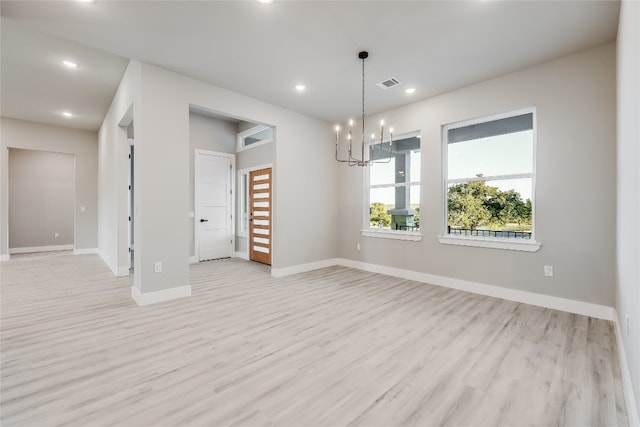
(383, 155)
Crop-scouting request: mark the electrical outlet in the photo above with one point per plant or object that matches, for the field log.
(56, 234)
(157, 267)
(358, 246)
(548, 270)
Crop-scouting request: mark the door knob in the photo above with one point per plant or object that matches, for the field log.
(203, 220)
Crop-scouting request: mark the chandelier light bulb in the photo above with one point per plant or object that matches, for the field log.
(350, 122)
(381, 122)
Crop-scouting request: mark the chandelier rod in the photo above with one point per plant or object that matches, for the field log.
(363, 56)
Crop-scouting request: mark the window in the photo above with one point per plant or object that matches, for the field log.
(489, 180)
(255, 137)
(394, 189)
(243, 203)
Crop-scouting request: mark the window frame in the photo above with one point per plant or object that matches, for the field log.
(241, 136)
(528, 245)
(389, 234)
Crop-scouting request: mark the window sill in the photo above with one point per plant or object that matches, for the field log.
(508, 244)
(396, 235)
(242, 147)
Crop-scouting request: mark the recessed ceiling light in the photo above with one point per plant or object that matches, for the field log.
(301, 88)
(265, 1)
(410, 90)
(69, 64)
(67, 114)
(87, 1)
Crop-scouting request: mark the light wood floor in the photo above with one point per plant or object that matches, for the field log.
(335, 347)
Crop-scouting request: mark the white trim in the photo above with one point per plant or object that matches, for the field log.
(115, 269)
(5, 257)
(85, 251)
(496, 243)
(540, 300)
(445, 181)
(240, 193)
(395, 185)
(491, 178)
(366, 183)
(112, 267)
(160, 296)
(627, 387)
(242, 255)
(547, 301)
(193, 260)
(231, 197)
(556, 303)
(242, 135)
(255, 168)
(303, 268)
(392, 234)
(28, 250)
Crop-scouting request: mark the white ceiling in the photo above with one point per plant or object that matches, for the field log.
(263, 50)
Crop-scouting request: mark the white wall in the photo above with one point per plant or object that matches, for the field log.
(304, 175)
(628, 188)
(83, 144)
(113, 173)
(575, 101)
(41, 198)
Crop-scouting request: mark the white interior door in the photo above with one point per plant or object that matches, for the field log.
(214, 224)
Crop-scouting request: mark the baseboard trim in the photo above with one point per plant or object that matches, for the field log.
(303, 268)
(5, 257)
(540, 300)
(193, 260)
(85, 251)
(122, 271)
(159, 296)
(28, 250)
(241, 255)
(112, 267)
(627, 387)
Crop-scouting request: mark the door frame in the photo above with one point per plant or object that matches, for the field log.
(196, 198)
(245, 254)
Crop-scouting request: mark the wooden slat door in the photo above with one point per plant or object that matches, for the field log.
(260, 216)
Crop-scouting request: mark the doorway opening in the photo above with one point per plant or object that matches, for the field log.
(41, 201)
(250, 144)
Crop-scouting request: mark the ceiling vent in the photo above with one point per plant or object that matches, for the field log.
(389, 83)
